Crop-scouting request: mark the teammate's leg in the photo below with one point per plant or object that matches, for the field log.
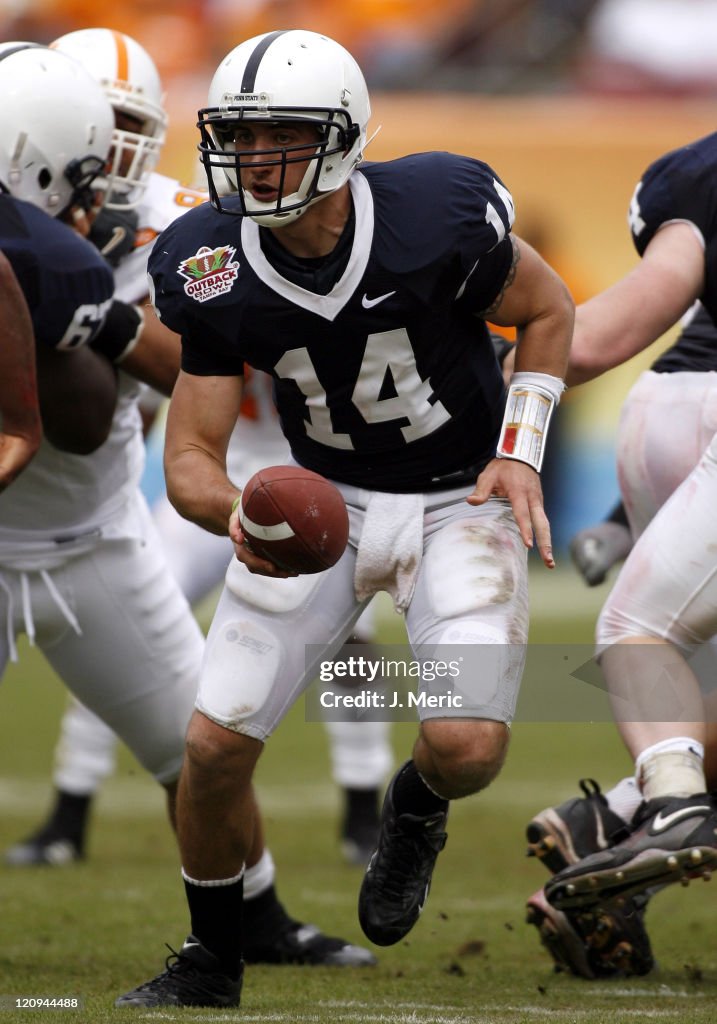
(84, 758)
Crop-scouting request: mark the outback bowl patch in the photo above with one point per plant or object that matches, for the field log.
(210, 272)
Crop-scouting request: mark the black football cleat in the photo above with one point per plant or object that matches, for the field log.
(398, 877)
(305, 944)
(563, 835)
(672, 840)
(193, 977)
(41, 851)
(606, 941)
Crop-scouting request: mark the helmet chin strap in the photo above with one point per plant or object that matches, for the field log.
(372, 136)
(272, 219)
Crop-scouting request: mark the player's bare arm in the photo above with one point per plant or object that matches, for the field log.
(202, 414)
(78, 396)
(660, 289)
(538, 303)
(19, 402)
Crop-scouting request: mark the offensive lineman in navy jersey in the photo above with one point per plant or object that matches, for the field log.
(68, 289)
(596, 549)
(661, 611)
(364, 294)
(667, 421)
(54, 288)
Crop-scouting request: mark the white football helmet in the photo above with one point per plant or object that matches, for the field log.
(56, 128)
(131, 81)
(289, 76)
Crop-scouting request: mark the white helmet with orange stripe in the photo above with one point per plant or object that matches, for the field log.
(131, 81)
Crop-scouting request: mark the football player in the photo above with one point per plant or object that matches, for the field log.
(157, 613)
(667, 422)
(661, 611)
(141, 205)
(364, 292)
(47, 320)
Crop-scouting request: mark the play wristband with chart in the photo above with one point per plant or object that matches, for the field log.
(528, 409)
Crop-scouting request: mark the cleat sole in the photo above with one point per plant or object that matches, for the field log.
(648, 869)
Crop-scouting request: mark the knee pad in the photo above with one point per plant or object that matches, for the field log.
(241, 665)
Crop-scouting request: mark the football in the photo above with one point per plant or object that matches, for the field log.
(295, 518)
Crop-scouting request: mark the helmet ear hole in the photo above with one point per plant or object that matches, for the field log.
(52, 107)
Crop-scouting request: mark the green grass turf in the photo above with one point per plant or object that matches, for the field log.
(97, 929)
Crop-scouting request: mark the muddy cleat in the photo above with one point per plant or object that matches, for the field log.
(193, 978)
(608, 941)
(38, 851)
(563, 835)
(305, 944)
(672, 840)
(398, 877)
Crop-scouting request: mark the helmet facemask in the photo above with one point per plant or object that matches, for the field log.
(86, 176)
(330, 160)
(133, 158)
(132, 85)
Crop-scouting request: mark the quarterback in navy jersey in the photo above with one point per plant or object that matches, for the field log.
(389, 324)
(661, 610)
(364, 292)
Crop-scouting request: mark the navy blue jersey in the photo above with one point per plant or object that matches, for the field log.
(682, 185)
(694, 350)
(66, 283)
(388, 380)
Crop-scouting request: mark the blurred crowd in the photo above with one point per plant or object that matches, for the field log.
(622, 47)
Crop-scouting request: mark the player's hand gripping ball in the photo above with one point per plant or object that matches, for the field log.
(295, 518)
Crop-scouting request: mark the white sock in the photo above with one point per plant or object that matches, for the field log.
(624, 798)
(673, 767)
(260, 876)
(215, 883)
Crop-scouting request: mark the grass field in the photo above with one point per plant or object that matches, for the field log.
(97, 929)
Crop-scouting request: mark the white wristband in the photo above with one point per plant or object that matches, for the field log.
(528, 409)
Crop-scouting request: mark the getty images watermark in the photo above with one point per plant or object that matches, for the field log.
(560, 682)
(360, 670)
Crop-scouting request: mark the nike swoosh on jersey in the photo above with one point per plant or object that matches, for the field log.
(368, 303)
(118, 235)
(659, 824)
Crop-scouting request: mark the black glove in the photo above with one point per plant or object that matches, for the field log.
(113, 233)
(596, 549)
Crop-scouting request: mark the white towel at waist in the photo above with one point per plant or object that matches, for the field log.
(390, 547)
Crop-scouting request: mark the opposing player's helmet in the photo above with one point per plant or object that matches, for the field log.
(294, 77)
(56, 128)
(131, 81)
